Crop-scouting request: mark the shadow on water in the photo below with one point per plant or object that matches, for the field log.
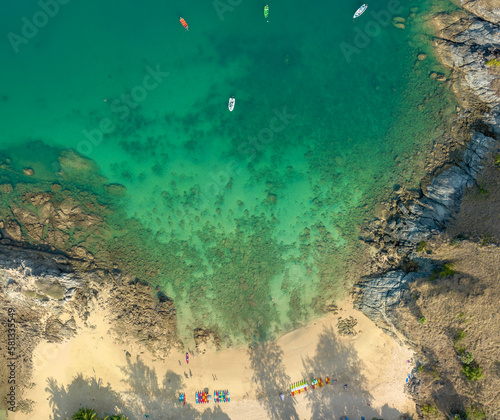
(340, 362)
(270, 379)
(145, 396)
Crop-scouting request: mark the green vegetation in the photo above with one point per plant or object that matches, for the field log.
(474, 413)
(482, 190)
(429, 410)
(497, 159)
(422, 320)
(91, 414)
(494, 62)
(486, 240)
(460, 335)
(85, 414)
(467, 358)
(472, 372)
(421, 247)
(420, 369)
(445, 271)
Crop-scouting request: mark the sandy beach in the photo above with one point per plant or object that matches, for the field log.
(93, 370)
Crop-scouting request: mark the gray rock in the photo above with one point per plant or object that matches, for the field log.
(378, 297)
(23, 270)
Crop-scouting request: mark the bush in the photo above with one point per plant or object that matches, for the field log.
(460, 335)
(497, 159)
(420, 369)
(467, 358)
(85, 414)
(494, 62)
(445, 271)
(474, 413)
(421, 246)
(429, 410)
(472, 373)
(422, 320)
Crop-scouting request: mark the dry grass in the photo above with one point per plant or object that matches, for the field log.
(461, 307)
(479, 216)
(463, 315)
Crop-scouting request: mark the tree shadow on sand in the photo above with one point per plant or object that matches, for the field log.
(146, 396)
(83, 392)
(270, 378)
(339, 361)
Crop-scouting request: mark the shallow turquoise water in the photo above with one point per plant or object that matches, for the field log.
(250, 218)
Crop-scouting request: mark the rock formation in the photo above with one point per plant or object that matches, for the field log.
(468, 44)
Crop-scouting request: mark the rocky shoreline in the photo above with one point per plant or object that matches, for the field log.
(466, 43)
(48, 289)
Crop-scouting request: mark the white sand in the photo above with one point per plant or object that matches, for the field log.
(372, 365)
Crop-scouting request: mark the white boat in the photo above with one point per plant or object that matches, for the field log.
(360, 11)
(231, 103)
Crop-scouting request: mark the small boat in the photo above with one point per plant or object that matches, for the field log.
(231, 103)
(266, 11)
(187, 357)
(184, 23)
(360, 11)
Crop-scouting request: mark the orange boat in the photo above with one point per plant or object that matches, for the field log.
(184, 23)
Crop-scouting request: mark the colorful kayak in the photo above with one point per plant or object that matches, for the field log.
(231, 103)
(266, 11)
(184, 23)
(187, 357)
(360, 11)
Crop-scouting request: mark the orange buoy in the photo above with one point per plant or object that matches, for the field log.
(184, 23)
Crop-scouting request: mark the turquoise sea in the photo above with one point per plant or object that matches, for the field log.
(248, 219)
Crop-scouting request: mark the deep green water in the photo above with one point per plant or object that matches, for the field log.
(249, 220)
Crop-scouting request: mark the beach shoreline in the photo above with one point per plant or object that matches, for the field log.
(93, 362)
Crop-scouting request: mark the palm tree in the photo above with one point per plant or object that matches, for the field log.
(116, 417)
(85, 414)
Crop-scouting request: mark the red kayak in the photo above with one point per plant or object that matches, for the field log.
(187, 357)
(184, 23)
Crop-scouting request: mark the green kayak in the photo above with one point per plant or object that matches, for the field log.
(266, 11)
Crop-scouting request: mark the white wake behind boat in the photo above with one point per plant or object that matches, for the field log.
(360, 11)
(231, 103)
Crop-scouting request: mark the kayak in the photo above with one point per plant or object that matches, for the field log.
(360, 11)
(231, 103)
(184, 23)
(187, 357)
(266, 11)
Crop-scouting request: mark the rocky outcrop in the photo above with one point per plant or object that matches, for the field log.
(468, 45)
(417, 217)
(35, 275)
(378, 298)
